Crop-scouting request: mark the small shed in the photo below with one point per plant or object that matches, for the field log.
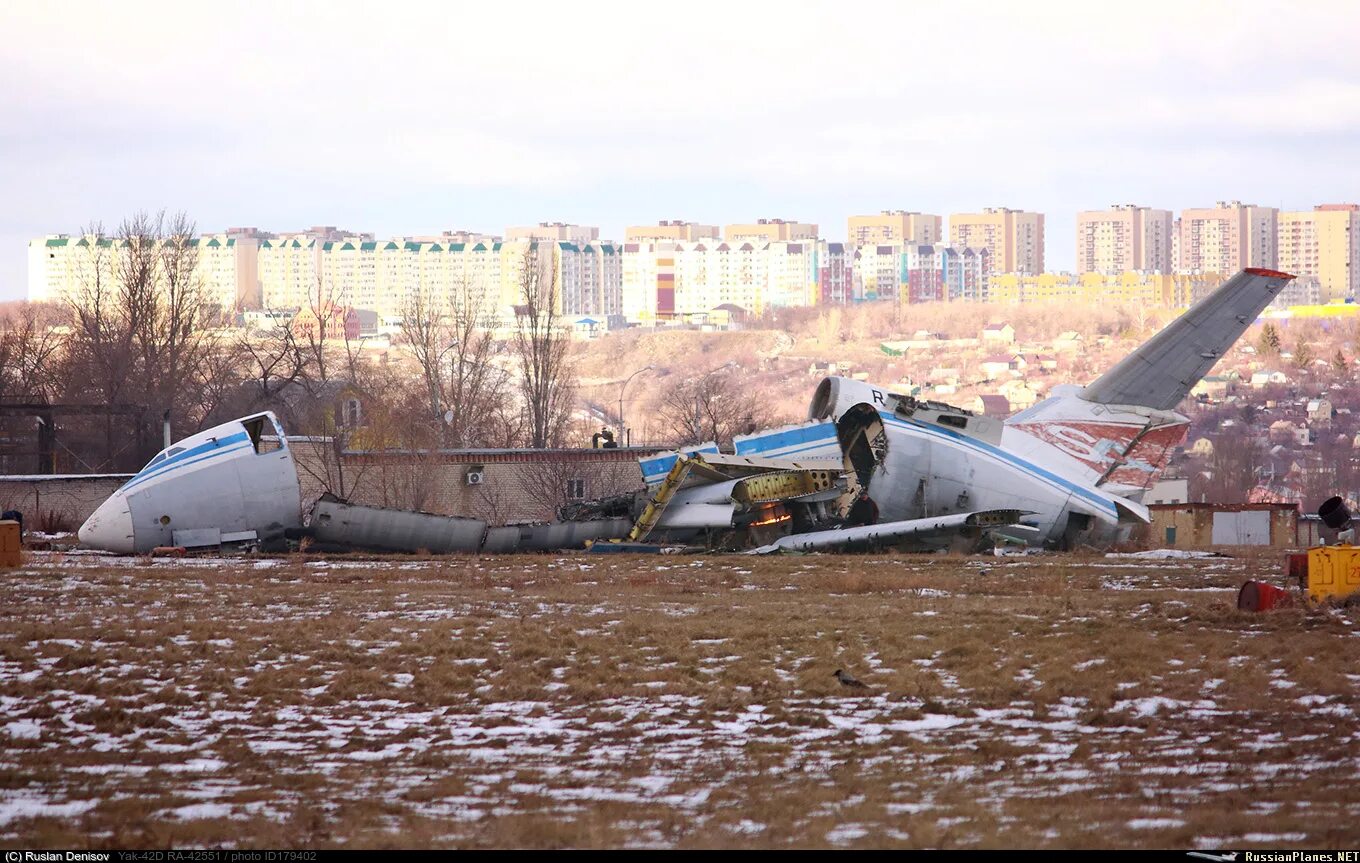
(1209, 525)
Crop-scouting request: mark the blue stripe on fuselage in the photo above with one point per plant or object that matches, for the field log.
(1010, 458)
(653, 469)
(824, 433)
(190, 456)
(820, 434)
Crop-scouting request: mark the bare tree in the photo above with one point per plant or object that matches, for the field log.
(322, 319)
(426, 337)
(271, 361)
(453, 347)
(508, 424)
(712, 407)
(104, 324)
(101, 339)
(32, 354)
(323, 449)
(162, 264)
(551, 485)
(493, 504)
(543, 349)
(477, 388)
(139, 318)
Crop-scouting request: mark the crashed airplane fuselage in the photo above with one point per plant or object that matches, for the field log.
(217, 486)
(1069, 471)
(1074, 466)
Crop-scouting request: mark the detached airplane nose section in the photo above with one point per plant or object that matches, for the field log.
(110, 527)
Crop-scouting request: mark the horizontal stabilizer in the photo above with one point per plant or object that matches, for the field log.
(1163, 371)
(1131, 512)
(888, 532)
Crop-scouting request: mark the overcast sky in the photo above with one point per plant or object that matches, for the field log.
(404, 118)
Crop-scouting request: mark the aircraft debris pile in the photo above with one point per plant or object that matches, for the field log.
(869, 467)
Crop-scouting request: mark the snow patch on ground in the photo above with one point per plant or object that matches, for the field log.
(1164, 554)
(1154, 823)
(36, 806)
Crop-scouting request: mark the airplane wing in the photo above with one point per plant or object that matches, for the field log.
(1161, 372)
(940, 527)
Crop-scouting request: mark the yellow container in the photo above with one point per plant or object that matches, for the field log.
(9, 543)
(1333, 571)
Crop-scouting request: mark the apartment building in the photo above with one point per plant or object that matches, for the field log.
(708, 275)
(589, 278)
(59, 265)
(770, 231)
(288, 267)
(939, 273)
(562, 232)
(894, 227)
(300, 270)
(667, 280)
(670, 231)
(648, 276)
(1124, 238)
(1014, 239)
(225, 268)
(879, 271)
(836, 274)
(1226, 238)
(1323, 243)
(793, 272)
(457, 236)
(914, 273)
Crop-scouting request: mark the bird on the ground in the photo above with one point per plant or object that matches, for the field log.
(847, 680)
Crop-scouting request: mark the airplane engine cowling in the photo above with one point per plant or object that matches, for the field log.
(835, 396)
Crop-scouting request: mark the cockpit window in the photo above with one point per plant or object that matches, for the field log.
(163, 455)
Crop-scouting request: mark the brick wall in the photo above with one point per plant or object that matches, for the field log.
(517, 485)
(65, 499)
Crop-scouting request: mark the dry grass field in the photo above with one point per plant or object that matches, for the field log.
(1045, 701)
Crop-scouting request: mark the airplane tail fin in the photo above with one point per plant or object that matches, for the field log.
(1119, 432)
(1164, 369)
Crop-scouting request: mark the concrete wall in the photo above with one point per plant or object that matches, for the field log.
(67, 499)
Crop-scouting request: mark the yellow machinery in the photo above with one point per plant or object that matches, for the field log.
(1333, 572)
(679, 472)
(757, 481)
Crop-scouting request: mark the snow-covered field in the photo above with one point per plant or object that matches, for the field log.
(683, 701)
